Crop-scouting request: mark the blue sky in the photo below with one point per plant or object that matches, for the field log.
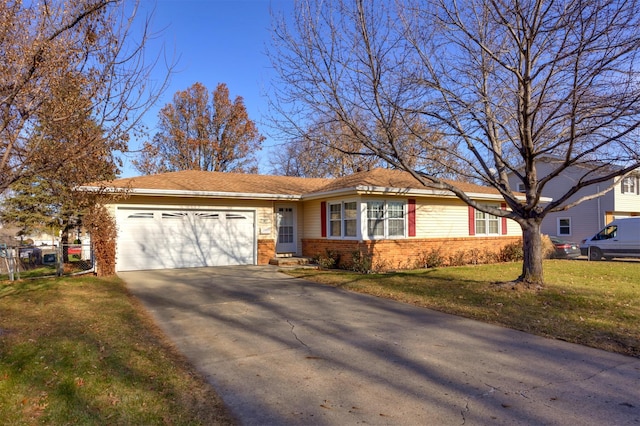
(215, 41)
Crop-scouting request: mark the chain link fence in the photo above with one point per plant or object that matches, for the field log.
(20, 262)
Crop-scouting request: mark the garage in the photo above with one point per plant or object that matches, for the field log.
(157, 238)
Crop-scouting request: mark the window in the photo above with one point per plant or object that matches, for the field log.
(207, 215)
(521, 187)
(172, 215)
(375, 219)
(335, 220)
(141, 215)
(564, 226)
(629, 185)
(385, 219)
(343, 219)
(395, 211)
(609, 232)
(486, 223)
(350, 219)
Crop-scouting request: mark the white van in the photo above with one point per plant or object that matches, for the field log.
(620, 238)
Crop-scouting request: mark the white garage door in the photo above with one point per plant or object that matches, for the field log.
(159, 239)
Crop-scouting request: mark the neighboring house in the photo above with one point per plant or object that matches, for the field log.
(196, 218)
(42, 239)
(587, 218)
(8, 235)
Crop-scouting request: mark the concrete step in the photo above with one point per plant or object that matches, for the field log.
(291, 261)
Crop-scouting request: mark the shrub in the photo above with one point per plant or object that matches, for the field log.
(475, 257)
(361, 262)
(103, 232)
(548, 249)
(328, 261)
(431, 259)
(324, 261)
(458, 258)
(512, 252)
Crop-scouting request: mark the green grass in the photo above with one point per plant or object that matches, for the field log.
(41, 271)
(591, 303)
(81, 351)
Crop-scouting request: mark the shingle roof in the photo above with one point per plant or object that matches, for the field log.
(240, 183)
(202, 181)
(387, 178)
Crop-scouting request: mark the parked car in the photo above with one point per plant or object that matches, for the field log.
(565, 249)
(620, 238)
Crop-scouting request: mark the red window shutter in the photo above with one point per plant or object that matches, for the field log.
(411, 213)
(323, 219)
(503, 206)
(472, 221)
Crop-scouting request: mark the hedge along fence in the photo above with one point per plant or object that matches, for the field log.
(102, 227)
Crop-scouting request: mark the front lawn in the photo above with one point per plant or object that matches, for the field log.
(82, 351)
(591, 303)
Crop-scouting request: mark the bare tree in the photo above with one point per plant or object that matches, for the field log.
(507, 83)
(202, 132)
(325, 151)
(329, 149)
(49, 48)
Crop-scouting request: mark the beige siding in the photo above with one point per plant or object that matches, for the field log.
(513, 229)
(449, 218)
(629, 202)
(435, 217)
(299, 227)
(311, 226)
(441, 218)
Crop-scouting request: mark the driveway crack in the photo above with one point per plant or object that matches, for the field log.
(295, 335)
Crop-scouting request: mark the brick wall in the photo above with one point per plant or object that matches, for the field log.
(411, 252)
(266, 251)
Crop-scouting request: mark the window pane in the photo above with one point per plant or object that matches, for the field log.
(335, 219)
(396, 227)
(350, 219)
(481, 227)
(375, 215)
(375, 209)
(335, 211)
(375, 227)
(395, 210)
(285, 234)
(396, 219)
(493, 225)
(335, 230)
(350, 211)
(350, 229)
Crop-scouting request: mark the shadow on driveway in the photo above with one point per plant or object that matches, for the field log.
(284, 351)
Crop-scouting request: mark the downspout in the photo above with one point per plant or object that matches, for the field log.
(600, 225)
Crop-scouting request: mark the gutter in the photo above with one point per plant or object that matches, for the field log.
(358, 190)
(380, 190)
(196, 194)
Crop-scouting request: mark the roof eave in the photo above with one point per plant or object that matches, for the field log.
(195, 194)
(379, 190)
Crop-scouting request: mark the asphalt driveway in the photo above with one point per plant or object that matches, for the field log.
(284, 351)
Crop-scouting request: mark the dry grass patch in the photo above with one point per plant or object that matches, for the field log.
(591, 303)
(81, 351)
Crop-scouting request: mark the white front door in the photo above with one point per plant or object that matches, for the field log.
(286, 229)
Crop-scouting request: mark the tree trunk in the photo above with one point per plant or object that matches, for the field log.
(64, 242)
(532, 273)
